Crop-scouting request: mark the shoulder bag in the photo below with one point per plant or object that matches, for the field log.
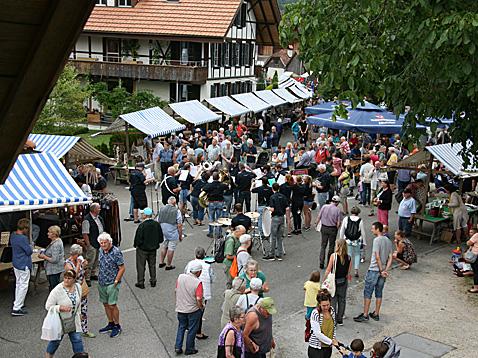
(329, 282)
(68, 324)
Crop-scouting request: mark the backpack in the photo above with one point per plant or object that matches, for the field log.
(219, 246)
(352, 231)
(249, 305)
(234, 269)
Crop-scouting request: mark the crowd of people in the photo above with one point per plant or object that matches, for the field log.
(218, 171)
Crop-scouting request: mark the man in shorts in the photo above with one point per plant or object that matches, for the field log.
(111, 270)
(380, 262)
(171, 221)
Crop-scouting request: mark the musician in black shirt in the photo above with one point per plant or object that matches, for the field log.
(170, 186)
(240, 219)
(264, 193)
(198, 210)
(243, 183)
(215, 194)
(277, 205)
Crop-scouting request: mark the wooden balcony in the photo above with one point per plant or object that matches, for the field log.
(194, 72)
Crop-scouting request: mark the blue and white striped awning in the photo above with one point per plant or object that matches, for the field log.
(39, 180)
(194, 112)
(228, 106)
(58, 145)
(298, 92)
(449, 155)
(270, 97)
(252, 102)
(153, 121)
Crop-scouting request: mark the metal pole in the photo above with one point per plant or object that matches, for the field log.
(128, 150)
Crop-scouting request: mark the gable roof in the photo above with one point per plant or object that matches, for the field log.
(198, 18)
(191, 18)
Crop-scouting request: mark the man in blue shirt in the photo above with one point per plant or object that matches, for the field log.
(22, 264)
(406, 212)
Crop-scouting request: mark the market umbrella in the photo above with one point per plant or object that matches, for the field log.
(327, 107)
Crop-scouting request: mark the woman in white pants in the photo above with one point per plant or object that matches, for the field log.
(355, 238)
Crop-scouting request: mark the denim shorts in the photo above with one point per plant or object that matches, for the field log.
(373, 282)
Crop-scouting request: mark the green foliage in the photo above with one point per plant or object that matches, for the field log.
(275, 80)
(416, 53)
(119, 101)
(64, 108)
(261, 82)
(130, 47)
(105, 149)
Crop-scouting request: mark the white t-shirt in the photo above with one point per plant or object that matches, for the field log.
(243, 300)
(261, 124)
(242, 258)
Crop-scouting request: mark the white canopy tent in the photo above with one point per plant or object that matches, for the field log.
(270, 97)
(194, 112)
(252, 102)
(228, 106)
(285, 94)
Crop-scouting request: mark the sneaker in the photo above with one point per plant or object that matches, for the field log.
(268, 258)
(307, 229)
(107, 328)
(188, 353)
(187, 215)
(340, 323)
(116, 331)
(178, 350)
(361, 318)
(88, 335)
(362, 260)
(374, 316)
(153, 284)
(209, 235)
(279, 258)
(20, 312)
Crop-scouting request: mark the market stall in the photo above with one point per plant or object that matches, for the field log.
(228, 106)
(253, 103)
(270, 97)
(194, 112)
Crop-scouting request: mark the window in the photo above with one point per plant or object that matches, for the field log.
(102, 2)
(227, 54)
(246, 54)
(216, 55)
(240, 20)
(123, 2)
(213, 91)
(237, 54)
(223, 90)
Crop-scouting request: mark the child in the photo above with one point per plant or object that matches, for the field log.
(311, 289)
(385, 232)
(356, 349)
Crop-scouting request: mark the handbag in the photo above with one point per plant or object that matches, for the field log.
(85, 290)
(329, 282)
(470, 257)
(68, 324)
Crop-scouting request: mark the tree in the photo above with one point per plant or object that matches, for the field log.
(417, 53)
(64, 108)
(119, 101)
(275, 80)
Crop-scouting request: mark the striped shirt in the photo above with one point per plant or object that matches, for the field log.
(317, 338)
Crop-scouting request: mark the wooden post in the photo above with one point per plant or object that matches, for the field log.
(427, 182)
(128, 150)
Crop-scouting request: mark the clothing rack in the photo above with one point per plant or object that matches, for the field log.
(110, 214)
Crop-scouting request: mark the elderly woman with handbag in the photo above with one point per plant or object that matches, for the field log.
(64, 300)
(471, 257)
(77, 263)
(54, 256)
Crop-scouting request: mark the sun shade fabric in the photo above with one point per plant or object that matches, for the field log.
(270, 97)
(77, 148)
(252, 102)
(326, 107)
(227, 105)
(194, 112)
(298, 92)
(285, 94)
(58, 145)
(413, 161)
(449, 155)
(39, 179)
(326, 121)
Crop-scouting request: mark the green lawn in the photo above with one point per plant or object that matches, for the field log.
(97, 140)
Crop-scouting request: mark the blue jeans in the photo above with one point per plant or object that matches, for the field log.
(131, 206)
(354, 252)
(189, 321)
(76, 343)
(373, 282)
(215, 212)
(228, 204)
(365, 194)
(405, 225)
(260, 209)
(183, 196)
(198, 210)
(322, 198)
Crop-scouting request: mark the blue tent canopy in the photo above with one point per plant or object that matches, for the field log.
(361, 120)
(326, 107)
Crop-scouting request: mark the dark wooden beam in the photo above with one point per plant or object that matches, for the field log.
(271, 38)
(41, 65)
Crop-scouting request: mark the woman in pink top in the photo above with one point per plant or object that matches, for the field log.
(473, 244)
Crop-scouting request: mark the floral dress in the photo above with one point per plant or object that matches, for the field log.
(80, 276)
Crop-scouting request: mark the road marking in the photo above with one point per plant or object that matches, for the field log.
(129, 250)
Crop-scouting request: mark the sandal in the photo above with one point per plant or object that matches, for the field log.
(170, 268)
(472, 290)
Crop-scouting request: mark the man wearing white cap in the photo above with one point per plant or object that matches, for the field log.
(247, 300)
(242, 254)
(330, 218)
(146, 240)
(189, 306)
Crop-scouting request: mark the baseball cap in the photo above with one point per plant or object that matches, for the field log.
(336, 198)
(147, 211)
(268, 304)
(255, 284)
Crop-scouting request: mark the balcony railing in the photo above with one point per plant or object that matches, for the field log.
(171, 70)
